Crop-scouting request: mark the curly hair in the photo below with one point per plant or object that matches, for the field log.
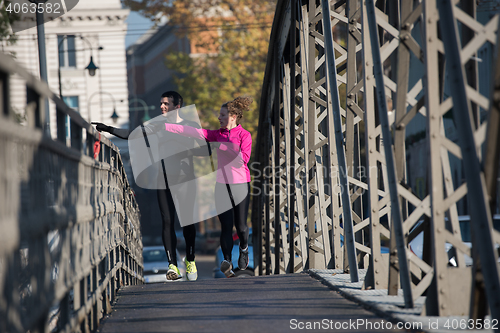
(237, 106)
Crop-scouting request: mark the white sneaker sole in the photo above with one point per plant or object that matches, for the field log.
(192, 277)
(173, 276)
(228, 271)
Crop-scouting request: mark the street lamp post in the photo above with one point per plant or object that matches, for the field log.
(114, 115)
(145, 107)
(42, 58)
(91, 67)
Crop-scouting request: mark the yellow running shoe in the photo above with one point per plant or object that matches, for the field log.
(191, 272)
(173, 273)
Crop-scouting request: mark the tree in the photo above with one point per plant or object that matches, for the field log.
(6, 18)
(229, 42)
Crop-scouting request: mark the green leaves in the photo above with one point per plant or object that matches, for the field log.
(229, 40)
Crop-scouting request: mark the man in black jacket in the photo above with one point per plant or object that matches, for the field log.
(178, 169)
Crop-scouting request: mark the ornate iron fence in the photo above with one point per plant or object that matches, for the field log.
(70, 233)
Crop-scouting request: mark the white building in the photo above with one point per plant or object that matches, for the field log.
(94, 28)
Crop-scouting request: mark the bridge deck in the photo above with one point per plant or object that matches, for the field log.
(257, 304)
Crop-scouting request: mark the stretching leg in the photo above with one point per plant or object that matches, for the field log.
(226, 236)
(167, 210)
(240, 218)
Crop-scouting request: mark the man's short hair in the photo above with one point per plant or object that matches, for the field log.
(175, 96)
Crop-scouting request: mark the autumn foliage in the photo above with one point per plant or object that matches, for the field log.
(229, 40)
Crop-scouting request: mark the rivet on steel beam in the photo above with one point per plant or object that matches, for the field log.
(371, 151)
(443, 306)
(375, 259)
(374, 224)
(441, 276)
(439, 229)
(336, 257)
(376, 271)
(373, 209)
(377, 283)
(406, 37)
(441, 291)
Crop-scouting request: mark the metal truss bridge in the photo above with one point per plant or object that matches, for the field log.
(378, 149)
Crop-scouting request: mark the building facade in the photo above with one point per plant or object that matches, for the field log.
(148, 75)
(93, 29)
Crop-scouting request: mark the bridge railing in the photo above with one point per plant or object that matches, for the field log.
(367, 142)
(70, 232)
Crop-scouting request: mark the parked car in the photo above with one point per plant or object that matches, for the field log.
(235, 254)
(156, 264)
(417, 244)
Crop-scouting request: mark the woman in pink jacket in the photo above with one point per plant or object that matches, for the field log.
(234, 147)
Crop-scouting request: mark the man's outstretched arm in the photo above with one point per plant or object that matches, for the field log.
(122, 133)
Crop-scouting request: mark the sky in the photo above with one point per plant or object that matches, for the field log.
(137, 25)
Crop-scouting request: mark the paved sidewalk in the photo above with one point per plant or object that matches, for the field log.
(391, 307)
(276, 303)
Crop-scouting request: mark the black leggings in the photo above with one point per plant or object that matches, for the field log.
(236, 216)
(168, 217)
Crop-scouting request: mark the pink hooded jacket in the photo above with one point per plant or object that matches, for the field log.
(232, 155)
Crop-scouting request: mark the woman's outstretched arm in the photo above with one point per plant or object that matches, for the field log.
(196, 133)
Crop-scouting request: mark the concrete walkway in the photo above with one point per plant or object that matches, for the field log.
(278, 303)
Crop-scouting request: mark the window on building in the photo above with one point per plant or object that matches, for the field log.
(67, 51)
(72, 102)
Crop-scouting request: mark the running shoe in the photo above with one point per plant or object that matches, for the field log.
(243, 259)
(191, 272)
(173, 273)
(227, 268)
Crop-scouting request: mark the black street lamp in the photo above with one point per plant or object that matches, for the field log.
(91, 67)
(115, 115)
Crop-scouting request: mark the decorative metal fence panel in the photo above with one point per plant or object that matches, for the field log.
(378, 134)
(70, 223)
